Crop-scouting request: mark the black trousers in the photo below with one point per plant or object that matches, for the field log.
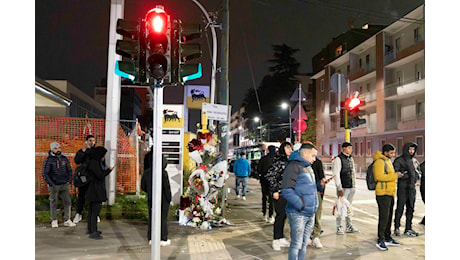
(406, 197)
(280, 218)
(93, 211)
(386, 204)
(164, 221)
(266, 197)
(81, 198)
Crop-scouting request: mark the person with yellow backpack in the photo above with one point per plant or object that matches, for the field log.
(385, 190)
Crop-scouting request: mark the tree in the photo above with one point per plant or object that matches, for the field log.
(273, 89)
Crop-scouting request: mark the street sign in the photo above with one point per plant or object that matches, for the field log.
(337, 80)
(298, 113)
(295, 97)
(299, 125)
(215, 111)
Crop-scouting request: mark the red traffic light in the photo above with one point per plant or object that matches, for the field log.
(156, 20)
(353, 103)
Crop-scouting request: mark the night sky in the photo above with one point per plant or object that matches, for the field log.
(71, 36)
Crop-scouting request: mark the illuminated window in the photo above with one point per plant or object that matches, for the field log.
(338, 51)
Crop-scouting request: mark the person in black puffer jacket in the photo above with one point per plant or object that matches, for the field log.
(96, 193)
(58, 174)
(410, 168)
(262, 168)
(274, 177)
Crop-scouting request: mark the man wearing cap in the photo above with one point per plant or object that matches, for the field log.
(58, 174)
(343, 170)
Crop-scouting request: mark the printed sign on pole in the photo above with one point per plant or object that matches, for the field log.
(196, 95)
(173, 116)
(215, 111)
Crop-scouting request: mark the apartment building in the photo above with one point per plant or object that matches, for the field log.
(388, 71)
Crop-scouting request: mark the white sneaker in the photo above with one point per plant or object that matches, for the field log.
(283, 242)
(309, 242)
(54, 224)
(276, 245)
(237, 196)
(77, 218)
(316, 243)
(244, 197)
(98, 219)
(69, 223)
(271, 220)
(265, 218)
(165, 243)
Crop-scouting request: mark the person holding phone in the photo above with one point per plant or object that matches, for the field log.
(82, 156)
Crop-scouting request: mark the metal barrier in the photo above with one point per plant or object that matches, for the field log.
(70, 133)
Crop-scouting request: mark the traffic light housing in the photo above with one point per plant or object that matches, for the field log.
(158, 45)
(131, 48)
(352, 105)
(183, 51)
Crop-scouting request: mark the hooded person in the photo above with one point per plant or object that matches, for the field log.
(410, 168)
(166, 197)
(96, 194)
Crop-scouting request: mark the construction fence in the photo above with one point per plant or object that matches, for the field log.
(70, 133)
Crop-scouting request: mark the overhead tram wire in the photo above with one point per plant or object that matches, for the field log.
(363, 12)
(250, 67)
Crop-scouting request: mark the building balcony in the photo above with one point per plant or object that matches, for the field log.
(396, 91)
(409, 54)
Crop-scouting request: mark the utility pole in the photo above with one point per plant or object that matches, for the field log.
(223, 86)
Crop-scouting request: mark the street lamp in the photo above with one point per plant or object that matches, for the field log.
(284, 106)
(258, 120)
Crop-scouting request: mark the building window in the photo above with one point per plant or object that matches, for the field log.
(368, 148)
(355, 148)
(420, 109)
(417, 36)
(361, 149)
(418, 72)
(368, 62)
(399, 145)
(360, 63)
(419, 142)
(339, 148)
(399, 77)
(398, 44)
(330, 149)
(338, 51)
(321, 85)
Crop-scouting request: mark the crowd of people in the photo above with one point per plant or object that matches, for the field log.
(293, 183)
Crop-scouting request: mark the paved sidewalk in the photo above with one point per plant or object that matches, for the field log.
(248, 238)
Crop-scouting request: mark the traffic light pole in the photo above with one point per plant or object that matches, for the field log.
(347, 127)
(112, 113)
(156, 170)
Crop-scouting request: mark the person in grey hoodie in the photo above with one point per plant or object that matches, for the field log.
(299, 189)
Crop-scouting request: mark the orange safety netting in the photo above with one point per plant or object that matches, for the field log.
(70, 133)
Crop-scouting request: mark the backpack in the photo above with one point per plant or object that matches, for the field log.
(80, 178)
(370, 180)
